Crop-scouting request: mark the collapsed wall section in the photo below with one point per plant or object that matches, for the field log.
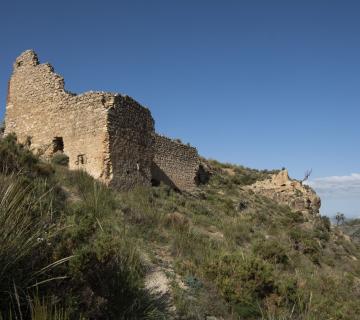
(176, 164)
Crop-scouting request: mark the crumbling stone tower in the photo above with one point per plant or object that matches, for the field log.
(108, 135)
(111, 136)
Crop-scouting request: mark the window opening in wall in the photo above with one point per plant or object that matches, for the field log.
(19, 64)
(58, 144)
(80, 159)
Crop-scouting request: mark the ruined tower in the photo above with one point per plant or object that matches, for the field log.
(111, 136)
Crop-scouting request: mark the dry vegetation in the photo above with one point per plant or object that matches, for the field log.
(72, 249)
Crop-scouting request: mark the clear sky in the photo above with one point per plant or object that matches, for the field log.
(265, 83)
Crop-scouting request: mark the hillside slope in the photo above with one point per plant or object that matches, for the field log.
(351, 227)
(72, 248)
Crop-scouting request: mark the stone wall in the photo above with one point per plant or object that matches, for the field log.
(131, 132)
(111, 136)
(176, 164)
(39, 110)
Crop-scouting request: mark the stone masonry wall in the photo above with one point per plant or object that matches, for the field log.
(39, 107)
(110, 136)
(175, 164)
(131, 132)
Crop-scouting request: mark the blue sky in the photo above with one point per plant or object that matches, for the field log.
(265, 84)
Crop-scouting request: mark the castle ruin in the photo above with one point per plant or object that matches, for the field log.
(111, 136)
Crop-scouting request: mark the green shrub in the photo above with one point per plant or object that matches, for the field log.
(60, 159)
(272, 251)
(244, 281)
(15, 158)
(322, 229)
(295, 216)
(326, 222)
(306, 242)
(109, 275)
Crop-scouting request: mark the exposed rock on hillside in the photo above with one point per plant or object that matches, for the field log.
(287, 191)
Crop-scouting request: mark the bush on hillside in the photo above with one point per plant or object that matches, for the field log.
(243, 280)
(241, 175)
(60, 159)
(106, 275)
(16, 158)
(272, 251)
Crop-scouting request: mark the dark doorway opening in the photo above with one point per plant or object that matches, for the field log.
(202, 175)
(155, 182)
(58, 144)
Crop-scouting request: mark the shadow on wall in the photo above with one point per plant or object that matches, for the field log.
(202, 176)
(158, 176)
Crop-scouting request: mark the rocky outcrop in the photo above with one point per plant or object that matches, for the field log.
(287, 191)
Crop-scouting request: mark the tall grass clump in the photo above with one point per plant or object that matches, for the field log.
(29, 204)
(19, 238)
(25, 259)
(45, 309)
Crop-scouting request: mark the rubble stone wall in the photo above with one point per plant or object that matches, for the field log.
(110, 136)
(175, 164)
(131, 132)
